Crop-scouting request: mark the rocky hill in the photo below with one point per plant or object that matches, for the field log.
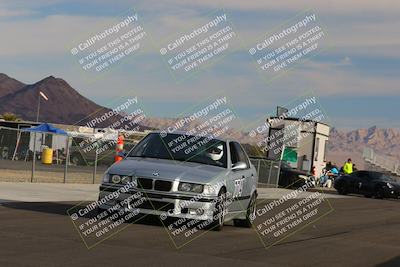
(64, 106)
(9, 85)
(350, 143)
(386, 141)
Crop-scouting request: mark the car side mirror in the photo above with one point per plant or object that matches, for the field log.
(239, 166)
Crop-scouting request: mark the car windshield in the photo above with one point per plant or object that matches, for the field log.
(182, 147)
(381, 177)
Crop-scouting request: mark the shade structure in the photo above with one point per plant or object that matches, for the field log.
(46, 128)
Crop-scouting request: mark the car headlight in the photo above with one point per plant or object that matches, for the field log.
(106, 178)
(190, 187)
(116, 179)
(389, 185)
(301, 176)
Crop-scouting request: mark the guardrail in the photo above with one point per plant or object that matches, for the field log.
(381, 161)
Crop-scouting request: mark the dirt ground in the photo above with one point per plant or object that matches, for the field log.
(21, 171)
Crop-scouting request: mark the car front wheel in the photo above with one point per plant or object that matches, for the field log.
(379, 193)
(220, 211)
(250, 214)
(342, 189)
(77, 159)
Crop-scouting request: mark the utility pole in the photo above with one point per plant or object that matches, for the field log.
(38, 108)
(34, 141)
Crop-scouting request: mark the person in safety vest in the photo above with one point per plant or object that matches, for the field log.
(348, 167)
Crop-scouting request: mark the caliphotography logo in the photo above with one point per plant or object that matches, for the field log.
(302, 37)
(108, 45)
(195, 48)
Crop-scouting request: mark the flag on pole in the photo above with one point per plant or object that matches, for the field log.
(43, 95)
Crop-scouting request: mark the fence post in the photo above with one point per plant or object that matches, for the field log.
(278, 174)
(34, 157)
(66, 161)
(95, 167)
(269, 174)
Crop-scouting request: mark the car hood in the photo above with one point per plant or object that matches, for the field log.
(167, 170)
(395, 184)
(296, 171)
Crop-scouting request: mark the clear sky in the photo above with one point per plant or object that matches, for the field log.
(356, 80)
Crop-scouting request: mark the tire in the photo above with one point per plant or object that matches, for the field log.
(250, 214)
(220, 212)
(379, 194)
(342, 189)
(100, 210)
(76, 159)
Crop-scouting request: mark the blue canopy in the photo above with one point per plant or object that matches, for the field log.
(46, 128)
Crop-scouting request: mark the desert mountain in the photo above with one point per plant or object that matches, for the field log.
(384, 140)
(65, 104)
(351, 143)
(9, 85)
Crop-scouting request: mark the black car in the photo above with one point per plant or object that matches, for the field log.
(368, 183)
(290, 177)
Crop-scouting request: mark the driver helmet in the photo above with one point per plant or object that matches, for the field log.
(215, 152)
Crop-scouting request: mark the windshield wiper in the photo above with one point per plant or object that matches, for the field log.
(179, 159)
(140, 156)
(150, 157)
(204, 163)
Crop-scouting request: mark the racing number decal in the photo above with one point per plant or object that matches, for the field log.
(238, 187)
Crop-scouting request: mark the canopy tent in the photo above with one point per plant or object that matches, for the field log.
(47, 135)
(58, 139)
(46, 128)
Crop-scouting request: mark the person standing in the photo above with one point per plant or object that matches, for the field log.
(348, 167)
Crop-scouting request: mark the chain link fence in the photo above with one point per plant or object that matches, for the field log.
(268, 171)
(52, 158)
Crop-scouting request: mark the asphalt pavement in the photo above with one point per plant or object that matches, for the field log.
(357, 232)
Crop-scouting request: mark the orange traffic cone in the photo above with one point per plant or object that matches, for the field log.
(119, 147)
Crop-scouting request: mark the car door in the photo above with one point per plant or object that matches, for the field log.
(249, 174)
(356, 182)
(236, 179)
(366, 184)
(242, 180)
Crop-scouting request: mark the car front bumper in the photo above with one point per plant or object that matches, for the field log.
(160, 203)
(393, 192)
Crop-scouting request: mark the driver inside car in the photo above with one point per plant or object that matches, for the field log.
(215, 153)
